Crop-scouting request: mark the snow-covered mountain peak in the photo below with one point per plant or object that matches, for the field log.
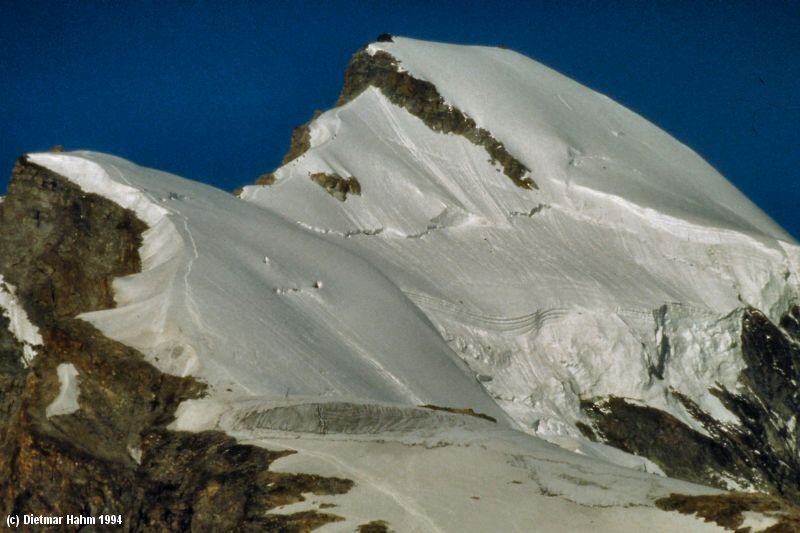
(565, 247)
(568, 134)
(640, 211)
(467, 253)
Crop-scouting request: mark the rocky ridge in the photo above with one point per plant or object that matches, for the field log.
(418, 97)
(422, 99)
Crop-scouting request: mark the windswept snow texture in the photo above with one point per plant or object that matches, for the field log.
(207, 304)
(19, 324)
(618, 277)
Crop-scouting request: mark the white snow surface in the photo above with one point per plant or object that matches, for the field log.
(423, 470)
(561, 294)
(444, 472)
(305, 373)
(206, 304)
(758, 521)
(19, 324)
(67, 400)
(565, 132)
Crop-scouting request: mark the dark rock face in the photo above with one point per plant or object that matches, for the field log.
(421, 99)
(761, 451)
(61, 249)
(791, 322)
(679, 450)
(376, 526)
(12, 382)
(301, 140)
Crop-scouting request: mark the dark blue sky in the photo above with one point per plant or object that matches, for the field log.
(211, 91)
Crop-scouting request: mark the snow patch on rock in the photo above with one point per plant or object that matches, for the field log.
(754, 521)
(19, 324)
(67, 400)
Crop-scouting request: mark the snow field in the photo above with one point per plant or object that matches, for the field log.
(207, 305)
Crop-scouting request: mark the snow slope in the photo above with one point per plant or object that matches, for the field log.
(567, 133)
(207, 303)
(560, 294)
(428, 471)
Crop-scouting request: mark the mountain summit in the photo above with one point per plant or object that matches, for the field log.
(617, 298)
(469, 256)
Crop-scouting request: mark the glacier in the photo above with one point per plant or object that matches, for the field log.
(206, 304)
(553, 295)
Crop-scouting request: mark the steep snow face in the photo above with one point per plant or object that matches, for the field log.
(568, 134)
(231, 293)
(19, 324)
(557, 295)
(575, 246)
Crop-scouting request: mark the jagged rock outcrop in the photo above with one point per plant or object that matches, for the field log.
(337, 186)
(299, 144)
(729, 510)
(301, 140)
(422, 99)
(418, 97)
(61, 249)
